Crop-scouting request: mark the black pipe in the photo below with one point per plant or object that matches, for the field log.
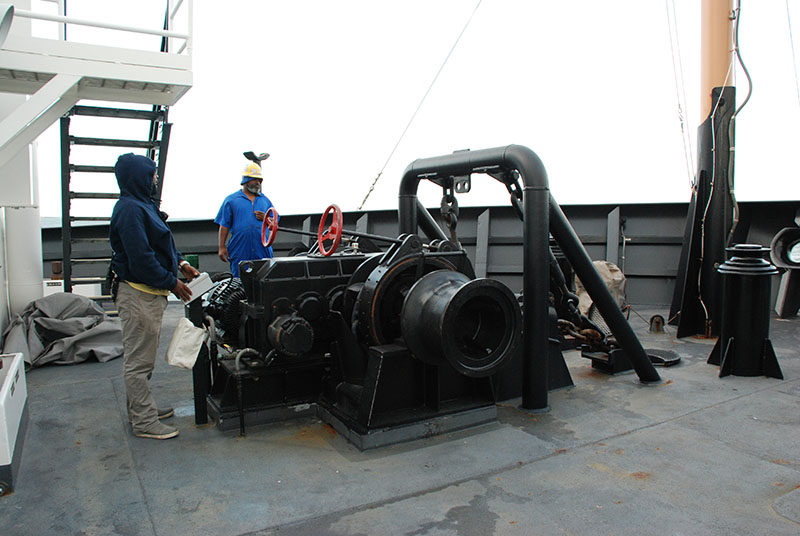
(345, 232)
(428, 224)
(571, 245)
(201, 371)
(535, 239)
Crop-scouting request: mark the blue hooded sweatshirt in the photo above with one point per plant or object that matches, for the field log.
(143, 250)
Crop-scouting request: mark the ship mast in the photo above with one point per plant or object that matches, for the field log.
(696, 304)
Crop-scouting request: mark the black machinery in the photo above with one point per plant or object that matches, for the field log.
(380, 342)
(393, 345)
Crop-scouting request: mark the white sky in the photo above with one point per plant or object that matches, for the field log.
(328, 87)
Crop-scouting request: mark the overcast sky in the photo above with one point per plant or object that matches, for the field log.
(327, 88)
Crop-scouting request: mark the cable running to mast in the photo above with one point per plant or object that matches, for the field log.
(791, 43)
(680, 90)
(396, 145)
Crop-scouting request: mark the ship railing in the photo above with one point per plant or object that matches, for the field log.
(178, 12)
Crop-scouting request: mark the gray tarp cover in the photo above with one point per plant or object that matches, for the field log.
(63, 329)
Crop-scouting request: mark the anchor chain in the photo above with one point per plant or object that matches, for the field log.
(449, 208)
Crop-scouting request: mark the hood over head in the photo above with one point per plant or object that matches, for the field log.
(135, 175)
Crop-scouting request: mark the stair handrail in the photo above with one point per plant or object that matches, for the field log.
(185, 36)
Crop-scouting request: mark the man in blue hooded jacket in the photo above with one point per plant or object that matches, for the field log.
(146, 263)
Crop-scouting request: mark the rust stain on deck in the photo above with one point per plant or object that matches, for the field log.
(638, 475)
(313, 436)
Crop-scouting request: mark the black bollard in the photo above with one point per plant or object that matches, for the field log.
(743, 347)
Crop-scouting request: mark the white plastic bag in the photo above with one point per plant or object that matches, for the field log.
(185, 344)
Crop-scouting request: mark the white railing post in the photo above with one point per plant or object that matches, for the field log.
(190, 29)
(62, 28)
(170, 23)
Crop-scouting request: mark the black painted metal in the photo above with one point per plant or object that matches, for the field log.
(163, 145)
(536, 196)
(381, 296)
(201, 371)
(475, 325)
(93, 195)
(744, 348)
(92, 169)
(66, 225)
(118, 113)
(291, 334)
(345, 232)
(428, 224)
(582, 264)
(697, 299)
(781, 247)
(108, 142)
(508, 381)
(159, 121)
(156, 146)
(327, 330)
(788, 300)
(653, 232)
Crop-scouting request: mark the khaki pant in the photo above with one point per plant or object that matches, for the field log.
(141, 315)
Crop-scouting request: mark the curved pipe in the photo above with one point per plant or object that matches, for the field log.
(535, 239)
(211, 332)
(243, 352)
(428, 224)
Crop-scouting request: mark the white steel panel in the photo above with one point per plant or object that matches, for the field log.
(91, 53)
(13, 393)
(33, 117)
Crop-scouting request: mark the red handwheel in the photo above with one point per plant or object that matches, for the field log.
(271, 223)
(334, 232)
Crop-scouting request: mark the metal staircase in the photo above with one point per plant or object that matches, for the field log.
(86, 253)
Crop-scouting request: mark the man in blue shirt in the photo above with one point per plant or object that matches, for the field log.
(241, 216)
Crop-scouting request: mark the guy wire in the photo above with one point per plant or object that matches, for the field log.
(396, 145)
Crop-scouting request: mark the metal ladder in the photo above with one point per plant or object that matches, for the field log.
(86, 252)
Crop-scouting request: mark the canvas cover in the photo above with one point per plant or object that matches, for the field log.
(63, 329)
(614, 279)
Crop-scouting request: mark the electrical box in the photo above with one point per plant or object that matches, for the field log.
(52, 286)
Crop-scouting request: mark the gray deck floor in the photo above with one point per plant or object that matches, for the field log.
(693, 455)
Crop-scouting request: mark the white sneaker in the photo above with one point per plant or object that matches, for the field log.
(158, 430)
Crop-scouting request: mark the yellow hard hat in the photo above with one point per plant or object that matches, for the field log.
(251, 171)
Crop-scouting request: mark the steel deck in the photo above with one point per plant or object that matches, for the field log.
(695, 454)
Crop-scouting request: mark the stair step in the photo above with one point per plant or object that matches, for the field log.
(98, 111)
(91, 169)
(110, 142)
(91, 261)
(89, 240)
(89, 218)
(95, 249)
(92, 195)
(87, 280)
